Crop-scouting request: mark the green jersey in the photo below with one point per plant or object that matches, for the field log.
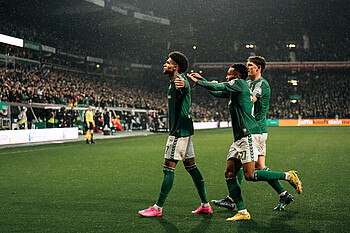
(260, 88)
(240, 105)
(179, 102)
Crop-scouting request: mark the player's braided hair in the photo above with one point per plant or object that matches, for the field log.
(259, 61)
(180, 59)
(242, 69)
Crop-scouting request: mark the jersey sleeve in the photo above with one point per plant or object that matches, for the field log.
(187, 84)
(232, 86)
(220, 94)
(259, 89)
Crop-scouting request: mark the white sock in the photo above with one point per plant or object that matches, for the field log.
(158, 207)
(283, 193)
(243, 211)
(288, 175)
(205, 204)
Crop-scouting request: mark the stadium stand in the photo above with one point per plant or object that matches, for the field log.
(321, 93)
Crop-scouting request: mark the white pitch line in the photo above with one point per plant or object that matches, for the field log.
(24, 151)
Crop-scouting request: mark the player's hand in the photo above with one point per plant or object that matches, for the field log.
(195, 77)
(179, 82)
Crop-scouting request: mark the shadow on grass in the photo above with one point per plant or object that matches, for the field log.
(278, 223)
(203, 226)
(168, 227)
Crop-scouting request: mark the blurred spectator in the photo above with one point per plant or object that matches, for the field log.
(22, 118)
(323, 93)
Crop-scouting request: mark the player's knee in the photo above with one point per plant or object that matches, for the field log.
(229, 174)
(249, 176)
(259, 167)
(168, 170)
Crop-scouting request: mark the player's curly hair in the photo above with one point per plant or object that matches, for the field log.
(242, 69)
(180, 59)
(259, 61)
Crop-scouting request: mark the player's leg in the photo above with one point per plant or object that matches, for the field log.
(168, 181)
(232, 172)
(234, 188)
(285, 198)
(268, 175)
(265, 175)
(260, 142)
(198, 180)
(170, 161)
(260, 165)
(242, 154)
(167, 184)
(233, 167)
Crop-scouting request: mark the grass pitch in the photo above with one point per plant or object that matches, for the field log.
(74, 187)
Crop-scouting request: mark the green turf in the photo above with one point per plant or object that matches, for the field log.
(74, 187)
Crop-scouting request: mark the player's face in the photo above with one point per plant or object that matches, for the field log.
(253, 69)
(169, 66)
(231, 74)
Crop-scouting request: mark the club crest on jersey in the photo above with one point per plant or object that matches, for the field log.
(231, 82)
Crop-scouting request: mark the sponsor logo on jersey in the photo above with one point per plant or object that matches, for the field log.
(257, 90)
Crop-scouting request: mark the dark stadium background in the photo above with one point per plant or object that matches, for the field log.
(74, 187)
(133, 51)
(215, 27)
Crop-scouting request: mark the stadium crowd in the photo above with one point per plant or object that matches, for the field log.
(323, 93)
(33, 85)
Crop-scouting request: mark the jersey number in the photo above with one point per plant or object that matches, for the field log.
(243, 155)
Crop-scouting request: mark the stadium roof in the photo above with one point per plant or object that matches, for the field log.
(197, 21)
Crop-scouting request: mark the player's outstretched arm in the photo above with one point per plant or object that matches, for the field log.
(208, 85)
(220, 94)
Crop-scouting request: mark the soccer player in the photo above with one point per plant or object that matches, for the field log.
(89, 124)
(179, 145)
(247, 134)
(261, 92)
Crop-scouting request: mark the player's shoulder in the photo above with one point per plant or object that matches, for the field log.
(182, 76)
(261, 84)
(236, 82)
(265, 82)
